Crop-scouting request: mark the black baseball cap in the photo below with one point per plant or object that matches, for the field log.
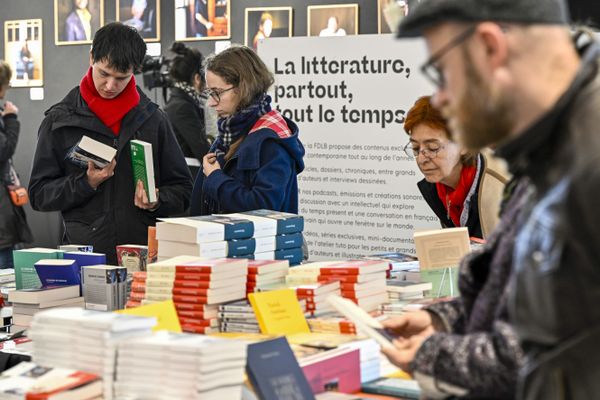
(427, 13)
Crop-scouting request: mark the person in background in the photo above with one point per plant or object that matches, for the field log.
(255, 160)
(105, 207)
(265, 28)
(78, 24)
(512, 74)
(138, 7)
(201, 22)
(463, 188)
(26, 59)
(14, 229)
(185, 107)
(333, 28)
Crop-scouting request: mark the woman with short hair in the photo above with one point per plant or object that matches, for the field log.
(462, 188)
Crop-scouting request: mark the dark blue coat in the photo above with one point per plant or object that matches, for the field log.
(261, 174)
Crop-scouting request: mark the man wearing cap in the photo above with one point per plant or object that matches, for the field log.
(510, 74)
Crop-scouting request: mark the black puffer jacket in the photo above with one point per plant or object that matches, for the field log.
(13, 223)
(106, 217)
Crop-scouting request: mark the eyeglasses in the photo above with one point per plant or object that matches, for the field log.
(216, 94)
(429, 152)
(430, 68)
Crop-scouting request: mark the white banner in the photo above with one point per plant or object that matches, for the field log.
(349, 96)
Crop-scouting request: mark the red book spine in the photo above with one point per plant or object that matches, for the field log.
(138, 287)
(340, 271)
(190, 291)
(192, 276)
(189, 307)
(348, 286)
(195, 321)
(184, 283)
(341, 278)
(303, 292)
(193, 328)
(349, 293)
(189, 299)
(139, 275)
(132, 304)
(193, 270)
(137, 296)
(190, 314)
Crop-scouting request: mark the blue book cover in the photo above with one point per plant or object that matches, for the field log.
(290, 241)
(286, 222)
(274, 371)
(240, 247)
(85, 258)
(294, 256)
(246, 256)
(58, 272)
(235, 228)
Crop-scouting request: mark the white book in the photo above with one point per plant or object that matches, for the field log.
(92, 150)
(167, 248)
(189, 230)
(441, 248)
(143, 167)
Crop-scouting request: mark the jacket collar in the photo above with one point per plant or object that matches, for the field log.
(529, 154)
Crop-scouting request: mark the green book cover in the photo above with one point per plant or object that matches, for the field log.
(143, 167)
(26, 276)
(444, 281)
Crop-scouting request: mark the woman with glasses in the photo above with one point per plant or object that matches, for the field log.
(257, 155)
(461, 187)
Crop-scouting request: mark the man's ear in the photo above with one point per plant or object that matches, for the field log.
(495, 44)
(91, 59)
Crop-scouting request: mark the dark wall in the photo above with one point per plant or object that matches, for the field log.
(65, 65)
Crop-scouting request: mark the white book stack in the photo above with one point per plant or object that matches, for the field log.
(370, 359)
(85, 340)
(266, 275)
(402, 291)
(315, 296)
(180, 366)
(238, 316)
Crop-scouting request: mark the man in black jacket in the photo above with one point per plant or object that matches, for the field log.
(510, 73)
(104, 206)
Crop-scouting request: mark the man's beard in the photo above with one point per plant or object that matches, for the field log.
(483, 117)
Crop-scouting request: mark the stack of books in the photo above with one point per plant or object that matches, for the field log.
(137, 291)
(85, 340)
(24, 260)
(209, 236)
(362, 281)
(104, 287)
(87, 248)
(181, 366)
(370, 358)
(399, 263)
(132, 256)
(266, 275)
(315, 296)
(159, 274)
(335, 325)
(402, 291)
(238, 316)
(277, 235)
(28, 302)
(194, 285)
(7, 282)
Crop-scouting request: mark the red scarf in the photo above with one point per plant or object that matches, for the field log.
(454, 199)
(110, 111)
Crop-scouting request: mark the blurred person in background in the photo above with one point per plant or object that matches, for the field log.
(186, 105)
(265, 28)
(14, 229)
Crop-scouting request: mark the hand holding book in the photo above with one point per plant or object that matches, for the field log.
(141, 198)
(96, 176)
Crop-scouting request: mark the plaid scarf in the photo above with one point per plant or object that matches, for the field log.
(239, 124)
(190, 91)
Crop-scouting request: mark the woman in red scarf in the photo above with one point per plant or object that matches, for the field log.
(461, 187)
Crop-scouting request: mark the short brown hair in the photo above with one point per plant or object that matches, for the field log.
(5, 73)
(423, 112)
(241, 67)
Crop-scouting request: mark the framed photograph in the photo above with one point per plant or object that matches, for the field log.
(266, 22)
(202, 20)
(389, 14)
(143, 15)
(333, 20)
(23, 52)
(76, 21)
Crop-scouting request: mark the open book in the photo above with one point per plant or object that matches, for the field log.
(363, 321)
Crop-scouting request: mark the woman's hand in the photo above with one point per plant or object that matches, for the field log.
(210, 164)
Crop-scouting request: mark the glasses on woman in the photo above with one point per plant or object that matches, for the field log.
(430, 151)
(216, 94)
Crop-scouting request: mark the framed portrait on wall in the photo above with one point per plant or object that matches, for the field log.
(23, 52)
(76, 21)
(389, 14)
(333, 20)
(202, 20)
(143, 15)
(265, 22)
